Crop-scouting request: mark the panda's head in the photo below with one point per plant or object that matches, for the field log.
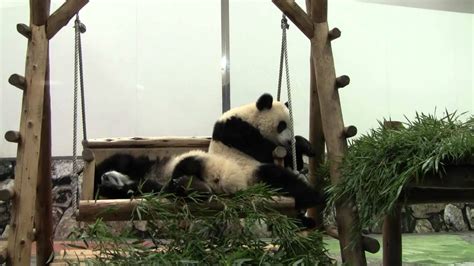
(272, 119)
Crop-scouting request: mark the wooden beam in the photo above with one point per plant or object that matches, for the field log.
(17, 81)
(24, 30)
(454, 177)
(122, 209)
(13, 136)
(392, 238)
(370, 244)
(28, 155)
(297, 15)
(62, 15)
(87, 155)
(39, 11)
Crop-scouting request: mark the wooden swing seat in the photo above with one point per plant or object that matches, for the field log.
(96, 150)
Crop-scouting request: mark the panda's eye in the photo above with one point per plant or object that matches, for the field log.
(281, 126)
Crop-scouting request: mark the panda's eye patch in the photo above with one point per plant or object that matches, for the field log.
(281, 126)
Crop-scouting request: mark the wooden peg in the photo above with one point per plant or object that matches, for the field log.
(13, 136)
(87, 155)
(17, 81)
(342, 81)
(7, 194)
(334, 34)
(24, 30)
(350, 131)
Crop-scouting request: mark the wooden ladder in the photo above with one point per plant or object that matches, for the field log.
(31, 197)
(326, 115)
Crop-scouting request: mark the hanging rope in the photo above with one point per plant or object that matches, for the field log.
(284, 64)
(78, 84)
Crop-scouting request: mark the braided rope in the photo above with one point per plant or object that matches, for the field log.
(284, 63)
(78, 82)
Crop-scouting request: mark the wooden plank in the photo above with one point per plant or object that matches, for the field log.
(147, 142)
(44, 211)
(392, 238)
(121, 209)
(62, 15)
(455, 176)
(28, 155)
(297, 15)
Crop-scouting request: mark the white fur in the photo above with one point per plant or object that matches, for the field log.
(114, 178)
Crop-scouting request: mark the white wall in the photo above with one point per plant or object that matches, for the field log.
(400, 59)
(152, 67)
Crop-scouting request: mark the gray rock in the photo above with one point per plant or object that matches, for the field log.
(426, 210)
(470, 217)
(423, 226)
(454, 219)
(437, 221)
(5, 232)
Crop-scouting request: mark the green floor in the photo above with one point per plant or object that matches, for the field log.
(427, 249)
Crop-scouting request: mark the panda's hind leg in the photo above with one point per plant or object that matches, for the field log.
(187, 177)
(289, 183)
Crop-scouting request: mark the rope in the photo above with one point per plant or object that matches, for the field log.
(78, 84)
(284, 64)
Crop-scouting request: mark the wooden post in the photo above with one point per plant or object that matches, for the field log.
(316, 138)
(392, 238)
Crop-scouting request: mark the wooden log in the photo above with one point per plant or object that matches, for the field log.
(342, 81)
(392, 238)
(39, 11)
(370, 244)
(28, 155)
(17, 81)
(140, 142)
(351, 246)
(7, 194)
(279, 154)
(13, 136)
(334, 34)
(43, 233)
(122, 209)
(350, 131)
(316, 138)
(24, 30)
(297, 15)
(62, 15)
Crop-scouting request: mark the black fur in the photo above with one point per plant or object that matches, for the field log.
(303, 147)
(190, 166)
(265, 102)
(134, 167)
(242, 136)
(289, 183)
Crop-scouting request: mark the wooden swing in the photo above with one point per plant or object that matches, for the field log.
(31, 197)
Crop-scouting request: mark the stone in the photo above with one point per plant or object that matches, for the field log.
(437, 221)
(423, 226)
(470, 217)
(65, 225)
(408, 220)
(454, 219)
(426, 210)
(5, 232)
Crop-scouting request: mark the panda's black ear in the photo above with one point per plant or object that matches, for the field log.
(286, 104)
(264, 102)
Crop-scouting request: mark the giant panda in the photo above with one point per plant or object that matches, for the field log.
(240, 155)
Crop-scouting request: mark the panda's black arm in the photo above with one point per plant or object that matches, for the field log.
(289, 183)
(303, 147)
(244, 137)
